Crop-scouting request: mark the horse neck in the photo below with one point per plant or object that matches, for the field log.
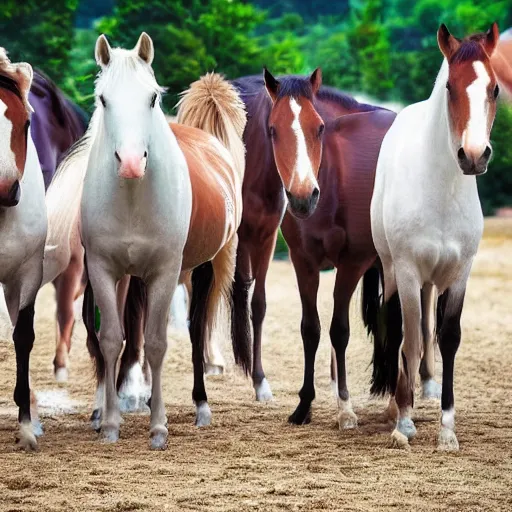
(439, 161)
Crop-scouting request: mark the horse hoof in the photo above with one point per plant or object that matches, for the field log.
(301, 416)
(26, 439)
(203, 415)
(447, 440)
(213, 369)
(158, 438)
(96, 420)
(109, 434)
(61, 375)
(37, 427)
(263, 391)
(399, 440)
(406, 427)
(347, 420)
(431, 390)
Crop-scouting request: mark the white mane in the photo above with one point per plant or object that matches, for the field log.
(10, 69)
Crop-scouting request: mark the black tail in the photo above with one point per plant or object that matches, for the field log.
(134, 316)
(384, 323)
(241, 323)
(93, 344)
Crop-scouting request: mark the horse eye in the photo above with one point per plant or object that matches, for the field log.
(272, 132)
(103, 102)
(496, 92)
(153, 100)
(321, 130)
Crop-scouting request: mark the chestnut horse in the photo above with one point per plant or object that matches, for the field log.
(284, 138)
(56, 125)
(501, 61)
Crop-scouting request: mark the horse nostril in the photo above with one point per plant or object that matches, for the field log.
(117, 156)
(145, 154)
(461, 154)
(315, 194)
(487, 153)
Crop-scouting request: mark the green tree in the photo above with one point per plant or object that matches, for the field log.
(39, 32)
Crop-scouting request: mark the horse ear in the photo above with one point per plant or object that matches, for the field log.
(102, 51)
(24, 75)
(447, 43)
(316, 80)
(145, 49)
(491, 39)
(271, 84)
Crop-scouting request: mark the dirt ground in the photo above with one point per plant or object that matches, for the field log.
(250, 458)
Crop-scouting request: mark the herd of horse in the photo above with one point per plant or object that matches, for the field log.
(136, 206)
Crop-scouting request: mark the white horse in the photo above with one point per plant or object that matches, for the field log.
(135, 213)
(23, 225)
(426, 216)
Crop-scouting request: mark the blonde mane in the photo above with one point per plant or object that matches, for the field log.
(213, 105)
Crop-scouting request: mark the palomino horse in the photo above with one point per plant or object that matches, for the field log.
(56, 125)
(138, 186)
(23, 227)
(427, 220)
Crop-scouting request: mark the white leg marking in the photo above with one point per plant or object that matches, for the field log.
(203, 414)
(61, 375)
(431, 389)
(346, 416)
(303, 168)
(447, 440)
(263, 391)
(27, 439)
(134, 393)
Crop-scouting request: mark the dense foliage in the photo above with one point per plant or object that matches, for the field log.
(385, 49)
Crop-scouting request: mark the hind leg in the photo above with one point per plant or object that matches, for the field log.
(409, 290)
(67, 287)
(308, 279)
(260, 261)
(430, 388)
(347, 278)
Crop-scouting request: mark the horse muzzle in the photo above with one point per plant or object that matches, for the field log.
(303, 207)
(10, 193)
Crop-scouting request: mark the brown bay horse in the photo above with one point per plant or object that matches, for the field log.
(284, 138)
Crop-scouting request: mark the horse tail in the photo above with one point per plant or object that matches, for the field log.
(63, 200)
(213, 105)
(384, 323)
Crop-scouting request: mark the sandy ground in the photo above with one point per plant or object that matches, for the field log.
(250, 458)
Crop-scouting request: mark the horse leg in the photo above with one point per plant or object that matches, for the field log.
(308, 279)
(334, 373)
(347, 278)
(409, 291)
(67, 286)
(110, 341)
(159, 295)
(449, 334)
(132, 390)
(260, 261)
(430, 388)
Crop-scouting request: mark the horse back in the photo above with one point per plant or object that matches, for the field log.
(214, 195)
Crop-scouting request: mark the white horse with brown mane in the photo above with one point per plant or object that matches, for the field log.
(23, 226)
(427, 220)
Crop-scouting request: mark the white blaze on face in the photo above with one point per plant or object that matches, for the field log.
(475, 137)
(7, 156)
(303, 169)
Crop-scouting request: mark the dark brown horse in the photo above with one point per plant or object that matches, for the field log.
(284, 136)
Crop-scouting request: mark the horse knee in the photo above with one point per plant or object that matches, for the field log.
(310, 329)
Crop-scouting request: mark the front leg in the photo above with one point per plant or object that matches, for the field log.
(308, 279)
